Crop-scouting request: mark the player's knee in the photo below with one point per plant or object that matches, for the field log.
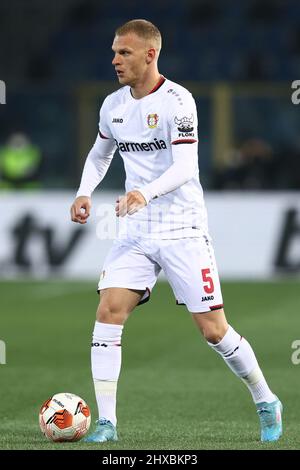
(110, 312)
(213, 333)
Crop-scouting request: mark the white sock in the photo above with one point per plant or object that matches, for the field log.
(239, 356)
(106, 366)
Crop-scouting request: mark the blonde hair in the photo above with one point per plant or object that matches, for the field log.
(142, 28)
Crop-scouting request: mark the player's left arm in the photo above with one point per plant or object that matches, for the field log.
(184, 141)
(184, 168)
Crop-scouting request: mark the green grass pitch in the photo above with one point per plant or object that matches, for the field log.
(174, 391)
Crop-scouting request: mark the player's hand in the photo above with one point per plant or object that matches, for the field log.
(130, 203)
(80, 209)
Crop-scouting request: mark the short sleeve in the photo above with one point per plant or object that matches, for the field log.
(104, 130)
(183, 120)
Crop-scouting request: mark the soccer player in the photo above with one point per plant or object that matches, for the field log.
(152, 121)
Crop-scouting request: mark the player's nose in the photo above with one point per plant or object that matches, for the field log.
(116, 60)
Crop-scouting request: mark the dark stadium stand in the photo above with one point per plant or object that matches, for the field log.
(52, 47)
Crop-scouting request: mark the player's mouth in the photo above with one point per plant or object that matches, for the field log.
(119, 73)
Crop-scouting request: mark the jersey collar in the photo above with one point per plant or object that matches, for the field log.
(160, 82)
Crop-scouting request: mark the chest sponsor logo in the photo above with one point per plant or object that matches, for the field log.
(152, 120)
(141, 146)
(185, 124)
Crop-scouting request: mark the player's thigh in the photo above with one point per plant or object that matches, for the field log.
(127, 279)
(127, 266)
(116, 304)
(190, 267)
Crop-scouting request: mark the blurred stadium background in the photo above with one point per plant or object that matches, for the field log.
(239, 59)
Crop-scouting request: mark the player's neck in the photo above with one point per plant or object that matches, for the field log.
(144, 88)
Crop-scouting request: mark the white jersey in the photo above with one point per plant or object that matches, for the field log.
(150, 133)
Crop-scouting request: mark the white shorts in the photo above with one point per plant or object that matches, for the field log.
(188, 263)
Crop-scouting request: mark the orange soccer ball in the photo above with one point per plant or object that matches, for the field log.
(64, 417)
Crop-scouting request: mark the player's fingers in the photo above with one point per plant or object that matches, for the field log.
(78, 220)
(83, 215)
(122, 212)
(78, 212)
(131, 202)
(133, 208)
(82, 211)
(132, 211)
(135, 203)
(122, 207)
(77, 216)
(73, 214)
(87, 209)
(128, 204)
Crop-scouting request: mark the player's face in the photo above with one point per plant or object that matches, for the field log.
(130, 59)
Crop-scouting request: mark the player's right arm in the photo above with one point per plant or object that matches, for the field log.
(95, 168)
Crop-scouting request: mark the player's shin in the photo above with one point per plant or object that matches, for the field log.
(106, 366)
(239, 356)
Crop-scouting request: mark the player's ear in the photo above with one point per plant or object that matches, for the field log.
(151, 53)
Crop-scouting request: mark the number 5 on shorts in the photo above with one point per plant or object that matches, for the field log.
(206, 277)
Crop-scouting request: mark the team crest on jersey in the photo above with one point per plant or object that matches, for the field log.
(185, 124)
(152, 120)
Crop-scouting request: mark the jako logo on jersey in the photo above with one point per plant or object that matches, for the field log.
(207, 297)
(141, 146)
(152, 120)
(117, 120)
(185, 124)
